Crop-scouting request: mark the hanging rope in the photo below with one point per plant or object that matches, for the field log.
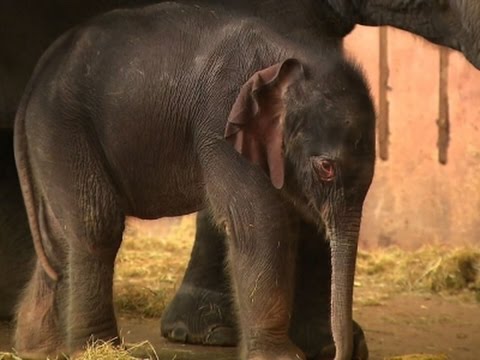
(443, 121)
(383, 110)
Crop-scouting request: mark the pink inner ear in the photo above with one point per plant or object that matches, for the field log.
(255, 125)
(238, 141)
(253, 151)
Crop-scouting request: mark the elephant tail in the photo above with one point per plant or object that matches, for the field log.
(33, 208)
(23, 168)
(24, 176)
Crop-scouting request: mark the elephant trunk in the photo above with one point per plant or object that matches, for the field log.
(343, 243)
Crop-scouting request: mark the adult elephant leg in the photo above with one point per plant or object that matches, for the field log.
(201, 311)
(310, 327)
(17, 255)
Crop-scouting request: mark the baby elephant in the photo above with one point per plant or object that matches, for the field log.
(161, 111)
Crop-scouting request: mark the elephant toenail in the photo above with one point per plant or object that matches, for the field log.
(179, 334)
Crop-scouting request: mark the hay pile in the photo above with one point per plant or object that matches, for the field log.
(430, 269)
(150, 265)
(101, 350)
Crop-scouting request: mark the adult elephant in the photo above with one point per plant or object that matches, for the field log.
(28, 27)
(201, 311)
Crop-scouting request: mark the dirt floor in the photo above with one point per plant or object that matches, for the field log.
(411, 324)
(398, 312)
(406, 324)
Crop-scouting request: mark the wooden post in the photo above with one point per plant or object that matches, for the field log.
(383, 111)
(443, 121)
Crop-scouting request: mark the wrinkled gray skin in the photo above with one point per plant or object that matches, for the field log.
(29, 27)
(103, 133)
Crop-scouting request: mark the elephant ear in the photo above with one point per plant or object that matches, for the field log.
(256, 122)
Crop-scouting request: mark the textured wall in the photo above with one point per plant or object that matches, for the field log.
(414, 200)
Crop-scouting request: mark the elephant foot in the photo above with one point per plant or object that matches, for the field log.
(200, 316)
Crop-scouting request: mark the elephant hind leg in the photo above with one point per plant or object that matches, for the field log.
(91, 314)
(92, 222)
(82, 233)
(38, 329)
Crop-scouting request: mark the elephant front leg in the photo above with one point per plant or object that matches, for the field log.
(206, 286)
(202, 310)
(261, 270)
(261, 253)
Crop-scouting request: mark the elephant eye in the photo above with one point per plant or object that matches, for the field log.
(325, 168)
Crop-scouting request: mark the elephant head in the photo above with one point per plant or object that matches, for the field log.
(312, 129)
